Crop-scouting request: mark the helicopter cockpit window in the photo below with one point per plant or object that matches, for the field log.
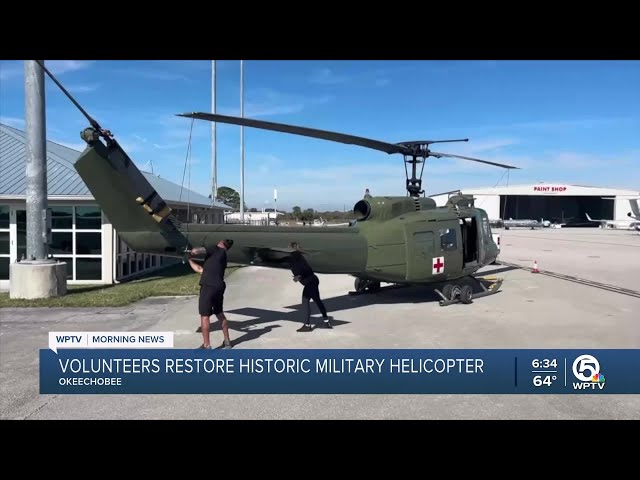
(448, 239)
(486, 227)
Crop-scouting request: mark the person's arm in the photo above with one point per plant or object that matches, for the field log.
(199, 251)
(284, 259)
(195, 266)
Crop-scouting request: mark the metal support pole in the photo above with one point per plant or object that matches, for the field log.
(214, 158)
(242, 141)
(36, 191)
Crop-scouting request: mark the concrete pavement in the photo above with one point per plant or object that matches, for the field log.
(531, 311)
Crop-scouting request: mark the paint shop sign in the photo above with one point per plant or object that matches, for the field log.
(539, 188)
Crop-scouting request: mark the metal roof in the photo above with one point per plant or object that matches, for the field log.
(62, 178)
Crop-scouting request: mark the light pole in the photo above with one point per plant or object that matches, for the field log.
(242, 141)
(214, 158)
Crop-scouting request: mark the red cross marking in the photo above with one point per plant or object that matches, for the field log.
(438, 265)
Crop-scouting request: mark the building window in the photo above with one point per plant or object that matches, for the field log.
(88, 268)
(88, 218)
(76, 239)
(5, 252)
(62, 218)
(89, 243)
(131, 263)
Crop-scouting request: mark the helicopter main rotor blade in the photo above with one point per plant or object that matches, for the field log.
(307, 132)
(438, 154)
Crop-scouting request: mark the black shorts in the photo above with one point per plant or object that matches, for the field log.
(211, 299)
(310, 289)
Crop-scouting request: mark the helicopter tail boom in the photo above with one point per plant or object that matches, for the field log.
(125, 196)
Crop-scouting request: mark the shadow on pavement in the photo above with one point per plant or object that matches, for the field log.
(387, 295)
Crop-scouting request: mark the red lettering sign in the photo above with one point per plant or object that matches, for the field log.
(548, 189)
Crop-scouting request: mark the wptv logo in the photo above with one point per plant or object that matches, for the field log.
(586, 368)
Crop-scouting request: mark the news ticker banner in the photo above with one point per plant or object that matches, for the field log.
(146, 362)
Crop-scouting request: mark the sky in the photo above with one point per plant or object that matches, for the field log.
(575, 122)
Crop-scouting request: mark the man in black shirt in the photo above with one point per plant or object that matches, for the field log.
(212, 287)
(303, 273)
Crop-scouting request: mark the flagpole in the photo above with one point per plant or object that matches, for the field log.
(214, 153)
(275, 203)
(242, 141)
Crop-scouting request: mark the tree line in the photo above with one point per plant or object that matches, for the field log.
(231, 197)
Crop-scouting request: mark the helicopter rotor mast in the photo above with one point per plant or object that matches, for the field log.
(419, 153)
(414, 152)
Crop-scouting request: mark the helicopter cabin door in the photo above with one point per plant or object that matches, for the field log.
(486, 236)
(420, 250)
(448, 257)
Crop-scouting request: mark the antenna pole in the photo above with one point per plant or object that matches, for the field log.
(242, 142)
(214, 158)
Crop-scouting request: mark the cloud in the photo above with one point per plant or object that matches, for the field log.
(332, 184)
(78, 146)
(574, 160)
(485, 145)
(159, 75)
(13, 122)
(20, 124)
(15, 68)
(59, 67)
(175, 131)
(267, 164)
(326, 76)
(129, 144)
(264, 102)
(555, 125)
(83, 88)
(591, 122)
(489, 149)
(168, 146)
(379, 77)
(150, 70)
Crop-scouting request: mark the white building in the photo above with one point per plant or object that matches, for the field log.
(264, 217)
(549, 201)
(82, 235)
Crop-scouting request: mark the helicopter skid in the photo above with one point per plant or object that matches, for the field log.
(458, 291)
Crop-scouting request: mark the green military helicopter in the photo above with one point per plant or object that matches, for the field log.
(396, 239)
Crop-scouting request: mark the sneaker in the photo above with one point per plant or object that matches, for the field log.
(326, 324)
(305, 328)
(226, 345)
(203, 347)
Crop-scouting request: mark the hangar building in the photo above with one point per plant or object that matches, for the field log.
(556, 202)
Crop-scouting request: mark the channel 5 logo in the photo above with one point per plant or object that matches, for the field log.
(586, 368)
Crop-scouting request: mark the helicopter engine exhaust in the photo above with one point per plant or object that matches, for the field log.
(362, 209)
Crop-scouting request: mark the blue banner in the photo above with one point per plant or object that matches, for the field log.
(298, 371)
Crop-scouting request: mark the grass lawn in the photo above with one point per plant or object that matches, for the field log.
(175, 280)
